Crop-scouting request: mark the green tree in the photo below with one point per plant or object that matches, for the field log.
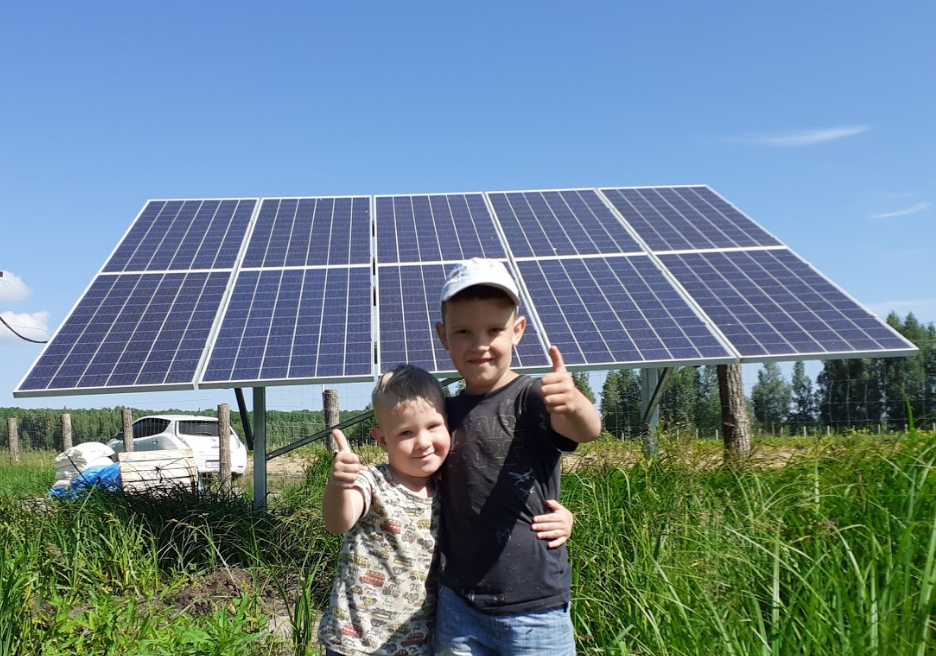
(678, 402)
(620, 404)
(583, 383)
(803, 410)
(850, 393)
(612, 417)
(706, 413)
(771, 396)
(905, 379)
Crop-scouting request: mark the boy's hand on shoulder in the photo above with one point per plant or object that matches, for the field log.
(559, 390)
(346, 466)
(555, 526)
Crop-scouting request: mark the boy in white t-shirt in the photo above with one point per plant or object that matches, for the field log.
(383, 599)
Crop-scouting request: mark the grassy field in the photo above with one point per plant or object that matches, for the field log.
(814, 547)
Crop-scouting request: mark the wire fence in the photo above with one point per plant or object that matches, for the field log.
(296, 413)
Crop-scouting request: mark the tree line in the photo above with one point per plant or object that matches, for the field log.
(860, 393)
(41, 429)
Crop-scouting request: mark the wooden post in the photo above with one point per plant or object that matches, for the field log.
(331, 412)
(736, 425)
(804, 431)
(828, 430)
(224, 447)
(66, 432)
(128, 430)
(13, 432)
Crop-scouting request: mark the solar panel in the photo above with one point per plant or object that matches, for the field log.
(617, 310)
(686, 218)
(435, 228)
(772, 304)
(408, 303)
(234, 292)
(310, 231)
(553, 223)
(293, 325)
(173, 235)
(131, 332)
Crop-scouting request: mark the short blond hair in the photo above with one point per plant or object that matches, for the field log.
(404, 384)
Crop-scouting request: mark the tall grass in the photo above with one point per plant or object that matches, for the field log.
(831, 554)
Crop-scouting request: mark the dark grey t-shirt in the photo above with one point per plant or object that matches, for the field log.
(503, 466)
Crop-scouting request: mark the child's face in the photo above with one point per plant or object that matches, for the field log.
(416, 439)
(480, 335)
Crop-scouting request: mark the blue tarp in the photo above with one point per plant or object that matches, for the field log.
(105, 477)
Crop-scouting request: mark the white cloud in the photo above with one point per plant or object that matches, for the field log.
(800, 138)
(12, 287)
(913, 209)
(32, 326)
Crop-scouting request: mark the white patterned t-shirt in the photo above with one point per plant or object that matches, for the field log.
(384, 596)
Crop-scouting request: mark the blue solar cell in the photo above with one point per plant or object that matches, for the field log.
(132, 330)
(550, 223)
(408, 303)
(294, 325)
(183, 235)
(749, 297)
(602, 311)
(310, 232)
(433, 228)
(686, 218)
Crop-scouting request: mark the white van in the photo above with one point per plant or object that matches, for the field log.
(200, 434)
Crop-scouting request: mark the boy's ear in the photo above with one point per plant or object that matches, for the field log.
(379, 437)
(518, 328)
(440, 331)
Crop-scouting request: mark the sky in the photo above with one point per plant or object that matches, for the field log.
(815, 119)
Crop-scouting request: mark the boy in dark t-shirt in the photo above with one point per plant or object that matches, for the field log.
(502, 591)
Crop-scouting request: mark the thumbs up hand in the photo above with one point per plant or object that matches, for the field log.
(346, 465)
(559, 390)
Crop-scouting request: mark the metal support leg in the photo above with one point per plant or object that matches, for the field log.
(259, 453)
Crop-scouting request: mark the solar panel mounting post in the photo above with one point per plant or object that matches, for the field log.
(259, 458)
(651, 388)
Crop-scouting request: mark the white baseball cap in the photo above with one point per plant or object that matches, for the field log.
(479, 271)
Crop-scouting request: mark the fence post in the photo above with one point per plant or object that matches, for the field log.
(224, 447)
(828, 430)
(331, 413)
(128, 430)
(13, 431)
(66, 432)
(804, 431)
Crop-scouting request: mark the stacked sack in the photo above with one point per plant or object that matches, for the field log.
(74, 461)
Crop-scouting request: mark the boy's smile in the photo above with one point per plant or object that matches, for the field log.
(480, 335)
(416, 439)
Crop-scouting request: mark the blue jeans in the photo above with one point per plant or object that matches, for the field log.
(461, 630)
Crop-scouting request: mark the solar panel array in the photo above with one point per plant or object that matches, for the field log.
(250, 292)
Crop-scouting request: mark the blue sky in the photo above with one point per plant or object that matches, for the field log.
(816, 119)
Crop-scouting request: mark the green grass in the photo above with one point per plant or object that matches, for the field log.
(821, 546)
(31, 477)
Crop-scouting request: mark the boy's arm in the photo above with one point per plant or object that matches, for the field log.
(570, 413)
(343, 502)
